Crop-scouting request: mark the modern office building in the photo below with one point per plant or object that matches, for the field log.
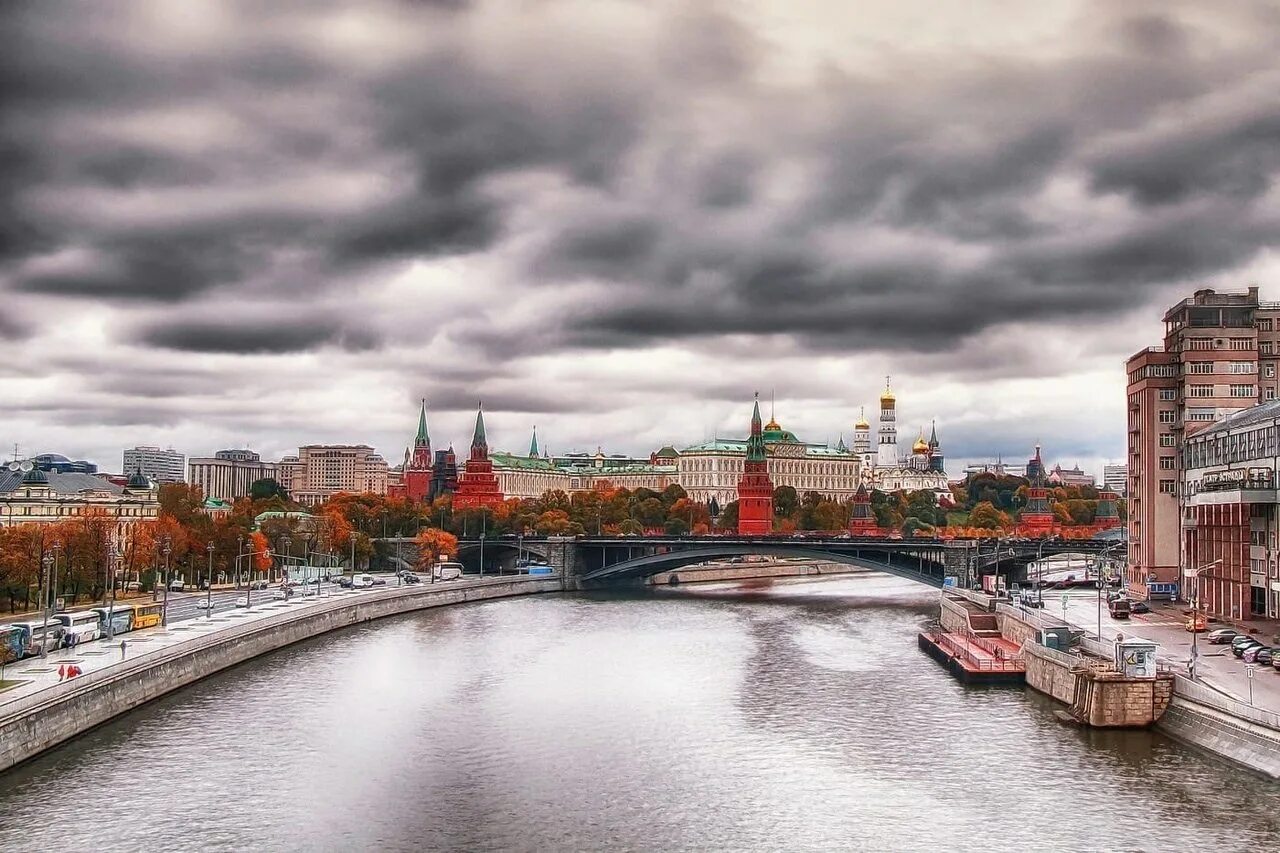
(228, 474)
(1116, 478)
(163, 466)
(1218, 357)
(1231, 514)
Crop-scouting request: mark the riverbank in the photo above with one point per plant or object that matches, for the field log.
(34, 720)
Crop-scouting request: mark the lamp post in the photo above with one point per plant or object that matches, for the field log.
(208, 589)
(164, 612)
(483, 518)
(116, 557)
(44, 605)
(1195, 618)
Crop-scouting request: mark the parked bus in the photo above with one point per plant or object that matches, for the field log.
(82, 626)
(147, 615)
(36, 635)
(448, 571)
(121, 619)
(13, 642)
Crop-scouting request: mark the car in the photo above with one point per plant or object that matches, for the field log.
(410, 577)
(1139, 607)
(1222, 636)
(344, 582)
(204, 604)
(1275, 661)
(1239, 651)
(258, 585)
(1265, 656)
(377, 581)
(177, 585)
(1241, 640)
(1250, 654)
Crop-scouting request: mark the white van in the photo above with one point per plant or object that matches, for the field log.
(361, 581)
(83, 626)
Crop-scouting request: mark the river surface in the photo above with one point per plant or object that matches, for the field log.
(793, 715)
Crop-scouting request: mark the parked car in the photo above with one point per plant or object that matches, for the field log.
(1139, 607)
(377, 581)
(1250, 655)
(1239, 651)
(1240, 640)
(410, 577)
(344, 582)
(1221, 636)
(204, 604)
(1275, 661)
(258, 585)
(177, 585)
(1265, 656)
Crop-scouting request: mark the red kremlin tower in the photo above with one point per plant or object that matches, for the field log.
(417, 469)
(862, 521)
(477, 487)
(755, 489)
(1037, 517)
(1107, 515)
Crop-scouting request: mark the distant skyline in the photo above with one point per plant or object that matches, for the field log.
(230, 224)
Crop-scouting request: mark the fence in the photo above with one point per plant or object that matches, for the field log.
(1185, 688)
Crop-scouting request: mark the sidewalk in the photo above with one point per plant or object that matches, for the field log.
(1166, 625)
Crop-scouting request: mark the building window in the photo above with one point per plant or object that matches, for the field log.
(1240, 343)
(1168, 487)
(1164, 369)
(1268, 393)
(1199, 415)
(1269, 371)
(1200, 391)
(1166, 416)
(1200, 367)
(1241, 367)
(1168, 394)
(1265, 347)
(1167, 463)
(1166, 439)
(1264, 325)
(1244, 391)
(1199, 343)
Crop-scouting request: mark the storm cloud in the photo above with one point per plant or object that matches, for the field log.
(630, 216)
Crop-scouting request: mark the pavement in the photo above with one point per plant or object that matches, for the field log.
(186, 620)
(1166, 626)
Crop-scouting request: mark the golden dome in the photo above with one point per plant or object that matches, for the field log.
(887, 395)
(773, 426)
(862, 422)
(921, 446)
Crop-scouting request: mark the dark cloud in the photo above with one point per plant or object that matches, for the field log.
(252, 332)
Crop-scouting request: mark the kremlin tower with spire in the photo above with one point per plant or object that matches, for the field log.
(417, 467)
(887, 451)
(862, 521)
(478, 487)
(1036, 518)
(755, 489)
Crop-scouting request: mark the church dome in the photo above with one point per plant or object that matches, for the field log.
(862, 422)
(773, 426)
(138, 481)
(921, 446)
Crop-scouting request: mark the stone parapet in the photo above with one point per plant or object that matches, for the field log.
(35, 723)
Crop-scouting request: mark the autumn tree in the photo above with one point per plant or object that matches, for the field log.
(433, 542)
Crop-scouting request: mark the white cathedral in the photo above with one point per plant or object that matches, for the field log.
(888, 470)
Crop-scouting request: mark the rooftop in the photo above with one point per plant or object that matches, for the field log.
(1245, 417)
(62, 484)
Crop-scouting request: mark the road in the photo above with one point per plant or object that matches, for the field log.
(1166, 626)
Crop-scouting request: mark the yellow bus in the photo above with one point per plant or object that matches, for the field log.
(146, 615)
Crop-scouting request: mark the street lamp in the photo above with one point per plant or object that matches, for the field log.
(239, 554)
(117, 556)
(164, 612)
(208, 589)
(53, 579)
(1195, 618)
(484, 516)
(44, 604)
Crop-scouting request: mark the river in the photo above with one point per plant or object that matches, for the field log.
(795, 715)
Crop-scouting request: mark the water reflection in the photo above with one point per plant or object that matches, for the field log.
(795, 716)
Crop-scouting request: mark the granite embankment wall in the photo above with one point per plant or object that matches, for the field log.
(36, 723)
(1215, 723)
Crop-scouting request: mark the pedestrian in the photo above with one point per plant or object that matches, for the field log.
(73, 671)
(62, 671)
(122, 644)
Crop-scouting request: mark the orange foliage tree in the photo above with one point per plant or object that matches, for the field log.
(432, 542)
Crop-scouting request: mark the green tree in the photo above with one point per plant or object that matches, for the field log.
(785, 502)
(986, 516)
(267, 488)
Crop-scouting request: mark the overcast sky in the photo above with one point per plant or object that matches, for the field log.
(245, 224)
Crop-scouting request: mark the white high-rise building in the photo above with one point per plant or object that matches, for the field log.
(1116, 477)
(228, 474)
(163, 466)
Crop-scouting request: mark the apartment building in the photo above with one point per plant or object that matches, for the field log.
(1218, 357)
(321, 470)
(1116, 478)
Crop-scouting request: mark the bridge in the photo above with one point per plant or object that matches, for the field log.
(605, 560)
